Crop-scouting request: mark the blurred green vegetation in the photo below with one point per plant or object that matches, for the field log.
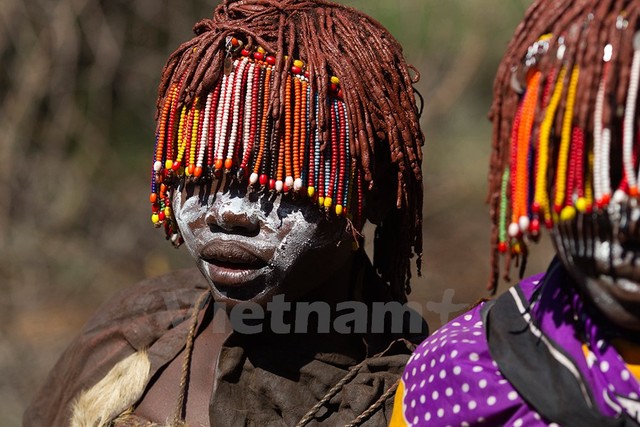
(78, 82)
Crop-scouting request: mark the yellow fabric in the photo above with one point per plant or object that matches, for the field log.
(635, 370)
(397, 416)
(630, 352)
(627, 352)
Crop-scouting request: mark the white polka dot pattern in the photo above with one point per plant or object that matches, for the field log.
(452, 381)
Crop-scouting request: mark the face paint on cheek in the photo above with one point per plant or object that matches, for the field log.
(305, 233)
(602, 256)
(190, 210)
(312, 257)
(296, 234)
(188, 213)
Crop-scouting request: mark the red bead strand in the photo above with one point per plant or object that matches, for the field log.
(297, 110)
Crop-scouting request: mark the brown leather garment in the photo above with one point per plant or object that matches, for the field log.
(261, 379)
(149, 315)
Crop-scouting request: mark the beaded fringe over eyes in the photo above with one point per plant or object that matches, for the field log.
(565, 137)
(230, 131)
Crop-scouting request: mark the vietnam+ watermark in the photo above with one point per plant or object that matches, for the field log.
(279, 316)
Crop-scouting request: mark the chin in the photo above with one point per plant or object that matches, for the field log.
(231, 296)
(235, 287)
(614, 297)
(234, 281)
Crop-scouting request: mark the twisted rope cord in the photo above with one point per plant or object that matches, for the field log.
(186, 363)
(375, 406)
(310, 415)
(330, 394)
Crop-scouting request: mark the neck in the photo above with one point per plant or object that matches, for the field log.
(336, 287)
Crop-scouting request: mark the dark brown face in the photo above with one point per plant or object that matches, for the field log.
(251, 246)
(602, 252)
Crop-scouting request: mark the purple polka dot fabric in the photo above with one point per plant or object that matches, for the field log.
(451, 379)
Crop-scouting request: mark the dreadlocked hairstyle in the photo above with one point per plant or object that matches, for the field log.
(564, 115)
(306, 98)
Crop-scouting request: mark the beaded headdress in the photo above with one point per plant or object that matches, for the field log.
(306, 98)
(565, 121)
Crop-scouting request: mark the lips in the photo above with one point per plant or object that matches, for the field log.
(232, 263)
(232, 255)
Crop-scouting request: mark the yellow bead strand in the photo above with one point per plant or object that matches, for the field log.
(541, 197)
(565, 140)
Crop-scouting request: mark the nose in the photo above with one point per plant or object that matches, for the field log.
(233, 216)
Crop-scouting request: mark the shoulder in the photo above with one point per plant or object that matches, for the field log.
(452, 379)
(459, 342)
(154, 296)
(132, 320)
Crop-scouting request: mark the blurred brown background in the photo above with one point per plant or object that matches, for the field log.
(77, 93)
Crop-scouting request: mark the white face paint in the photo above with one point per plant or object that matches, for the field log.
(602, 251)
(251, 246)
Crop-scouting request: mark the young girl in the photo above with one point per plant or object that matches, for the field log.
(563, 347)
(282, 126)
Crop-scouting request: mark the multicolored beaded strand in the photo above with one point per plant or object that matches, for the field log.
(292, 157)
